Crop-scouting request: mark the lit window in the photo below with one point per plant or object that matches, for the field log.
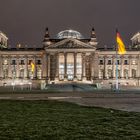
(133, 62)
(5, 62)
(70, 66)
(79, 67)
(101, 73)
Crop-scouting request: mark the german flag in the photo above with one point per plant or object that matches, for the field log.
(121, 47)
(32, 66)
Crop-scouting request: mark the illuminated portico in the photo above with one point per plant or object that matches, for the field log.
(70, 56)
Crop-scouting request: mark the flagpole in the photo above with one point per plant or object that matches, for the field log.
(120, 49)
(117, 80)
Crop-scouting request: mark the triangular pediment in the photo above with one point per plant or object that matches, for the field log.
(70, 43)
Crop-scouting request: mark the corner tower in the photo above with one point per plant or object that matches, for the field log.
(3, 40)
(46, 41)
(93, 39)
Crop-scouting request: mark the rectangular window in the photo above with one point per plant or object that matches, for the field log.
(13, 62)
(38, 62)
(29, 62)
(118, 62)
(22, 62)
(101, 62)
(125, 62)
(109, 62)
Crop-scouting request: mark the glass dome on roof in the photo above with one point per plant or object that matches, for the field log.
(69, 34)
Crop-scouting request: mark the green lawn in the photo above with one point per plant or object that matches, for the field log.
(51, 120)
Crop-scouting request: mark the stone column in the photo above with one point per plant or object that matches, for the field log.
(138, 69)
(48, 65)
(1, 67)
(130, 73)
(65, 62)
(96, 66)
(35, 69)
(9, 68)
(105, 67)
(75, 66)
(92, 67)
(114, 67)
(17, 67)
(122, 61)
(138, 66)
(83, 67)
(26, 67)
(44, 66)
(57, 67)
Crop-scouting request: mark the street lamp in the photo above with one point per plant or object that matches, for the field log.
(30, 84)
(13, 84)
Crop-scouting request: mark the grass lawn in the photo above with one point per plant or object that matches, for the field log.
(52, 120)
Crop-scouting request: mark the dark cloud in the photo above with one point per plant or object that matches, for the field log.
(24, 21)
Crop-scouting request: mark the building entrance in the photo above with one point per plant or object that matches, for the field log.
(70, 71)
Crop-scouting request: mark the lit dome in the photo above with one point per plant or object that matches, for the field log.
(69, 34)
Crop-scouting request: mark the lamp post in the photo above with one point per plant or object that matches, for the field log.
(30, 85)
(13, 85)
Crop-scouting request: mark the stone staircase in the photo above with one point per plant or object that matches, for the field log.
(71, 87)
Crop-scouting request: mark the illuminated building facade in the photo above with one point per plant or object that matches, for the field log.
(67, 58)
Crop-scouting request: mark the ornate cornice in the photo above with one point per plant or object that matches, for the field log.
(70, 43)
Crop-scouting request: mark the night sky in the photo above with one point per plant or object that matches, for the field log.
(24, 21)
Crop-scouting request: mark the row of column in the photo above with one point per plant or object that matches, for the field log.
(46, 65)
(121, 67)
(17, 67)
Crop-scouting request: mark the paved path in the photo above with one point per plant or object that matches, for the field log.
(126, 102)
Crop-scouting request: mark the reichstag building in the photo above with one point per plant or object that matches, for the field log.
(68, 58)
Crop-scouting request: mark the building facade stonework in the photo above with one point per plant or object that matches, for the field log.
(68, 58)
